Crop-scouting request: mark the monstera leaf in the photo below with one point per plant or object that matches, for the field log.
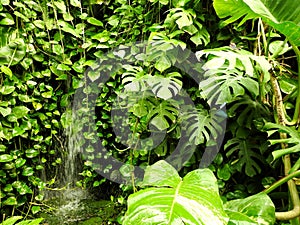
(283, 15)
(173, 200)
(165, 87)
(224, 86)
(248, 155)
(226, 57)
(164, 114)
(134, 78)
(247, 111)
(293, 140)
(202, 126)
(254, 210)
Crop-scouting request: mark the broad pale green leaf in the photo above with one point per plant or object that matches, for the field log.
(237, 218)
(258, 208)
(94, 21)
(20, 111)
(5, 158)
(75, 3)
(6, 70)
(201, 37)
(5, 111)
(35, 209)
(6, 90)
(163, 63)
(10, 201)
(179, 3)
(66, 27)
(161, 174)
(283, 15)
(226, 87)
(163, 111)
(6, 19)
(163, 2)
(232, 59)
(193, 200)
(4, 2)
(160, 123)
(279, 46)
(11, 220)
(31, 222)
(134, 78)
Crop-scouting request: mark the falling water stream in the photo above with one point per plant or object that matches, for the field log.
(67, 197)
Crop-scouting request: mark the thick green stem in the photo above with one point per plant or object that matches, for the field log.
(296, 117)
(282, 181)
(295, 212)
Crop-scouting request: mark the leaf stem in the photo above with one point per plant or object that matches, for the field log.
(282, 181)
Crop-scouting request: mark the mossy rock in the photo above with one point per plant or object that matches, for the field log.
(92, 221)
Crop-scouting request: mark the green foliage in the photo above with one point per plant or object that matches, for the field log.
(193, 199)
(46, 47)
(275, 13)
(256, 209)
(13, 221)
(293, 141)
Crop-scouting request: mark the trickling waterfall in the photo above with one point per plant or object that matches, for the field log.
(64, 194)
(72, 163)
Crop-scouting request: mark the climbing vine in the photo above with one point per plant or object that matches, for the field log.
(246, 54)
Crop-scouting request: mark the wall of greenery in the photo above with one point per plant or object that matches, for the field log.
(250, 60)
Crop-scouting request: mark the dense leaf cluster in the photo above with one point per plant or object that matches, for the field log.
(134, 58)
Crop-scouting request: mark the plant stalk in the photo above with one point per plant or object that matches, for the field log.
(282, 181)
(295, 212)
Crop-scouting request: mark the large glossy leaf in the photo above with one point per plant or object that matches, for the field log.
(191, 200)
(293, 139)
(254, 210)
(283, 15)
